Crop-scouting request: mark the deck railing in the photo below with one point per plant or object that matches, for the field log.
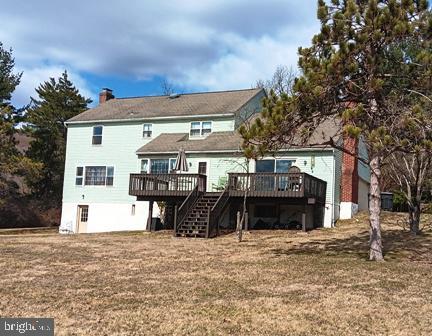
(181, 212)
(215, 212)
(277, 185)
(165, 184)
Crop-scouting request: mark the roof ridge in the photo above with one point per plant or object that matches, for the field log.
(188, 93)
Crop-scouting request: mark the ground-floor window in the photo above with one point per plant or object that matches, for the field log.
(273, 165)
(157, 166)
(95, 176)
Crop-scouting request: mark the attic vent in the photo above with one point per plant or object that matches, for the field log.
(174, 95)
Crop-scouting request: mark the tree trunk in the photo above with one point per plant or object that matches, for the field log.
(375, 252)
(414, 217)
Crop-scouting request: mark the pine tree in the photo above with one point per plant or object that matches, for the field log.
(358, 66)
(9, 157)
(59, 100)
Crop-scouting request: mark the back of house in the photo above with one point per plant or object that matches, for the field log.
(121, 156)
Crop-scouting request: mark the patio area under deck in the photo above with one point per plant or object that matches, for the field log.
(190, 208)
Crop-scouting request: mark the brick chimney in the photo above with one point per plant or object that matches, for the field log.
(105, 95)
(350, 179)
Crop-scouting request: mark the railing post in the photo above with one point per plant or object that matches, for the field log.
(208, 223)
(175, 220)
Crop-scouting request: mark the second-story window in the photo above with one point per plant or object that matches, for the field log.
(200, 128)
(97, 135)
(147, 130)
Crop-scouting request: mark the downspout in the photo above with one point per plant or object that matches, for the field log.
(333, 190)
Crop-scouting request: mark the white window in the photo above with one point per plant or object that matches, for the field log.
(97, 135)
(200, 128)
(144, 166)
(99, 176)
(109, 176)
(79, 176)
(157, 166)
(147, 130)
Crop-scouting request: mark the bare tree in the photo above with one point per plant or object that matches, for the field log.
(167, 87)
(281, 82)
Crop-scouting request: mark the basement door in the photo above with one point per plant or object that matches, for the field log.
(82, 218)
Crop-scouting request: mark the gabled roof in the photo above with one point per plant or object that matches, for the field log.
(190, 104)
(231, 141)
(172, 142)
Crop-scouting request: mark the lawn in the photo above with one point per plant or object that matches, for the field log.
(273, 283)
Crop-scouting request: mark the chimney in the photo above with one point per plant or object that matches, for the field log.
(105, 95)
(350, 179)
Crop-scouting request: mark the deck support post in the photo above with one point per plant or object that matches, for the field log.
(150, 216)
(239, 227)
(304, 221)
(246, 223)
(175, 220)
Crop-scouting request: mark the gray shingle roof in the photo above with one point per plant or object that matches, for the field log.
(206, 103)
(231, 141)
(172, 142)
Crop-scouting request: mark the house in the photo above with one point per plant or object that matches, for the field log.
(121, 154)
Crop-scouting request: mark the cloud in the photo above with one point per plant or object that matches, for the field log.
(212, 44)
(33, 77)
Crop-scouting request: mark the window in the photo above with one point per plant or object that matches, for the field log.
(157, 166)
(273, 166)
(79, 176)
(147, 130)
(265, 166)
(99, 176)
(144, 166)
(206, 128)
(97, 135)
(200, 128)
(267, 182)
(84, 214)
(195, 129)
(110, 176)
(172, 163)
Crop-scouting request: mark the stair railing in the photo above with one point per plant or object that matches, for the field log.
(215, 212)
(181, 212)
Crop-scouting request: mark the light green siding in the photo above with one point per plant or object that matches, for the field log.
(338, 180)
(119, 143)
(323, 167)
(363, 168)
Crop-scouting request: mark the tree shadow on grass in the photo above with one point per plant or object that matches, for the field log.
(397, 245)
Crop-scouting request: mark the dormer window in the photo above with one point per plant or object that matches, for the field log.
(200, 128)
(97, 135)
(147, 130)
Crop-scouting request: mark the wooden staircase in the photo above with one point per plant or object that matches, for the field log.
(196, 221)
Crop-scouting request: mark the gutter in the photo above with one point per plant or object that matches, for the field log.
(150, 118)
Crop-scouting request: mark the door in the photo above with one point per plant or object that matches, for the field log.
(82, 218)
(202, 168)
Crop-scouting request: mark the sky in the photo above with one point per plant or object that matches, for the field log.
(132, 46)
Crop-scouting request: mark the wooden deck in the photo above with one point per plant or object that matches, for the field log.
(268, 185)
(293, 185)
(169, 185)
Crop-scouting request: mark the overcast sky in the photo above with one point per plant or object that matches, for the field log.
(130, 46)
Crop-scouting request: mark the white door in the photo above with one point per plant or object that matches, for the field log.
(82, 218)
